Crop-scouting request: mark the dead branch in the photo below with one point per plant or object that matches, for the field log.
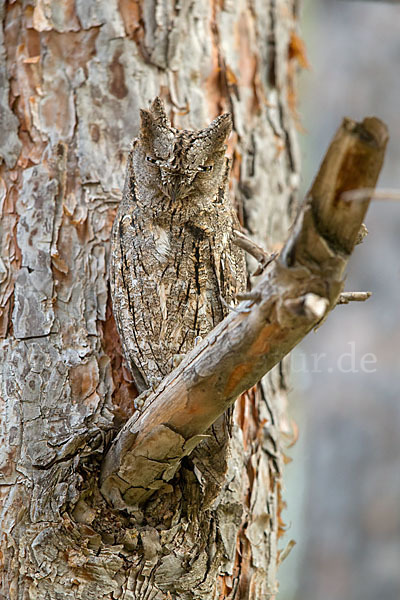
(298, 290)
(346, 297)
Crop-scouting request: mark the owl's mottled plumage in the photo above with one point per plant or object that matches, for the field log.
(172, 252)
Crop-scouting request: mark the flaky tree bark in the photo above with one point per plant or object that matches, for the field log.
(74, 76)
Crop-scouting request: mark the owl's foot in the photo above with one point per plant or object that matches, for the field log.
(141, 399)
(176, 360)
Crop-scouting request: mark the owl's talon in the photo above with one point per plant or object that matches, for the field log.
(176, 360)
(140, 400)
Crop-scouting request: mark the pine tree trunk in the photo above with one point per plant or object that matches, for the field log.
(73, 77)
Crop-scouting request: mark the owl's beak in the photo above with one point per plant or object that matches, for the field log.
(175, 190)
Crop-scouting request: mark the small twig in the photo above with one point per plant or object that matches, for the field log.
(262, 257)
(286, 551)
(362, 194)
(362, 234)
(252, 295)
(346, 297)
(233, 308)
(269, 258)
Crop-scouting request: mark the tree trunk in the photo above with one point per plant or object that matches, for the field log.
(73, 79)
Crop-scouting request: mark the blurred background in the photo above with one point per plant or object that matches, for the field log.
(343, 486)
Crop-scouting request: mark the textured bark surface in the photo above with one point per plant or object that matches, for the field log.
(73, 78)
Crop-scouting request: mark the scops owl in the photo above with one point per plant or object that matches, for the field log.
(174, 266)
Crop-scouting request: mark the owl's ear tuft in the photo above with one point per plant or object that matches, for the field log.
(158, 111)
(218, 131)
(155, 129)
(209, 143)
(155, 117)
